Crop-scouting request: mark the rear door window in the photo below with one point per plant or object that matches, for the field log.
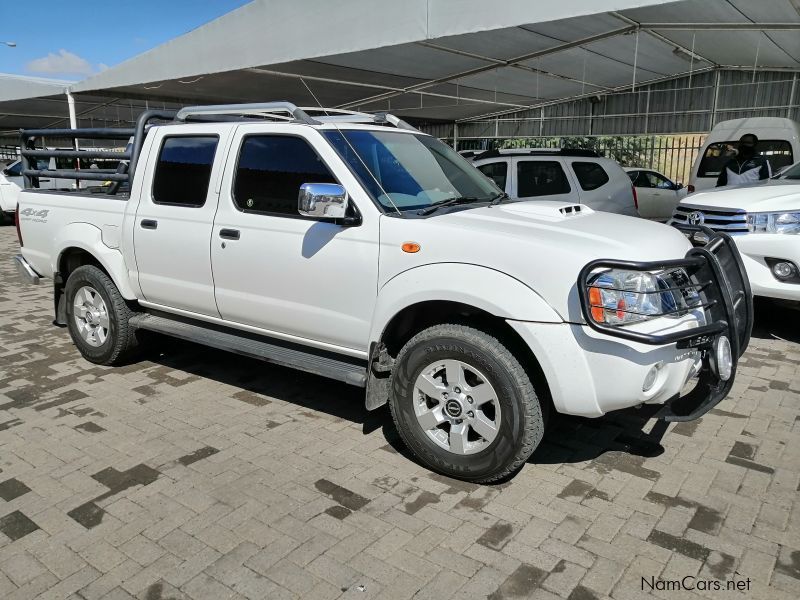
(183, 170)
(590, 175)
(778, 152)
(497, 172)
(537, 178)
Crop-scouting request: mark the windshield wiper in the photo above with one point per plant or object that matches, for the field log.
(448, 202)
(498, 199)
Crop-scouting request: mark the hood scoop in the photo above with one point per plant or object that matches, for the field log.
(547, 209)
(573, 210)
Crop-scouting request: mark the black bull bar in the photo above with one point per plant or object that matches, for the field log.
(715, 270)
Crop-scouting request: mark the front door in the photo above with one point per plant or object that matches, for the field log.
(172, 230)
(296, 277)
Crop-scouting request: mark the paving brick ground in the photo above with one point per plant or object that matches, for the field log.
(197, 474)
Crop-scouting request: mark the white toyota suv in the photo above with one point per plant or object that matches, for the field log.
(355, 247)
(764, 221)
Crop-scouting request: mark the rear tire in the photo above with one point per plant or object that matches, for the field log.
(464, 405)
(98, 317)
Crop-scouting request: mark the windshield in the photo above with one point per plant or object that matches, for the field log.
(14, 169)
(792, 173)
(717, 155)
(409, 172)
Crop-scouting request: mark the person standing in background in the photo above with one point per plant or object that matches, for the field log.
(746, 166)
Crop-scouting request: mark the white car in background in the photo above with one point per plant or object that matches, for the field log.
(9, 193)
(764, 221)
(562, 175)
(656, 194)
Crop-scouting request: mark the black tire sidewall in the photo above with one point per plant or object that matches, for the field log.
(514, 407)
(93, 277)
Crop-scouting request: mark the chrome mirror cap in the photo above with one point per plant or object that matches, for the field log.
(322, 200)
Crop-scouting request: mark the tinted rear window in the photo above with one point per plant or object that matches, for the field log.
(184, 170)
(590, 175)
(541, 178)
(778, 152)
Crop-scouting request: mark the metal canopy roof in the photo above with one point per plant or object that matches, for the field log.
(449, 59)
(455, 59)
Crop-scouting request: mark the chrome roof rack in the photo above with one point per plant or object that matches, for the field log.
(286, 111)
(272, 110)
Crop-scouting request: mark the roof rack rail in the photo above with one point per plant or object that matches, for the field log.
(262, 109)
(537, 152)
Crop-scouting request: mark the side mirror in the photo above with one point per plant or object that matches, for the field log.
(679, 186)
(322, 200)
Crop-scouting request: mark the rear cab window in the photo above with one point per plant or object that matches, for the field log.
(183, 170)
(537, 178)
(590, 175)
(778, 152)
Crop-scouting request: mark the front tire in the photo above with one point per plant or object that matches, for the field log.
(464, 405)
(98, 317)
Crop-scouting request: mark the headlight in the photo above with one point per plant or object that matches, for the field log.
(620, 297)
(773, 222)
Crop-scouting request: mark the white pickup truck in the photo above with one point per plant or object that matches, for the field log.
(357, 248)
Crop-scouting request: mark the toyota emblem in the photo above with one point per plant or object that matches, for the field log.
(696, 218)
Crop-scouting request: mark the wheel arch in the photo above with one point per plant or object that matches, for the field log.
(400, 316)
(84, 242)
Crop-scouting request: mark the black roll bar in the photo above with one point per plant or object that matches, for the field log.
(123, 174)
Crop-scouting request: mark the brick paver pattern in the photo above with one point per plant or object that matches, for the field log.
(199, 474)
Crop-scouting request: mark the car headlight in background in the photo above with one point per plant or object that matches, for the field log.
(773, 222)
(622, 297)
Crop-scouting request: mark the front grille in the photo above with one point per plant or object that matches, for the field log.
(730, 221)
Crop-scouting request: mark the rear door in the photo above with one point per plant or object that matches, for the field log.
(172, 230)
(543, 179)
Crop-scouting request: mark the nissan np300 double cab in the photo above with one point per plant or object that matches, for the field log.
(355, 247)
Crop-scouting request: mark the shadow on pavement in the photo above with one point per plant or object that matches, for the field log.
(567, 439)
(776, 321)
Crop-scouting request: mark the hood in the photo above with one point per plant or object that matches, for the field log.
(542, 244)
(776, 195)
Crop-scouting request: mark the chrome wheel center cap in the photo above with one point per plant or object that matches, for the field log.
(453, 408)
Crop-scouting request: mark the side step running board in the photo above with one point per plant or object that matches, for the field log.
(273, 351)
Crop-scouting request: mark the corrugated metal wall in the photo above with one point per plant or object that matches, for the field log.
(685, 105)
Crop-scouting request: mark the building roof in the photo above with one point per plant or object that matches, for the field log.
(454, 59)
(451, 60)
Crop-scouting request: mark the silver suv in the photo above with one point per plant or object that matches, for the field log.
(577, 176)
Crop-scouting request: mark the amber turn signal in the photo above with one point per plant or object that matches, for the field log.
(411, 247)
(596, 303)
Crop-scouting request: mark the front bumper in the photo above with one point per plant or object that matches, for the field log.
(25, 271)
(755, 248)
(590, 374)
(716, 270)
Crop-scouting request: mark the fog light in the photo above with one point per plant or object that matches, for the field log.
(783, 270)
(650, 379)
(723, 358)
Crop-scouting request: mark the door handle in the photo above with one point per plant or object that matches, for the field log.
(229, 234)
(149, 224)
